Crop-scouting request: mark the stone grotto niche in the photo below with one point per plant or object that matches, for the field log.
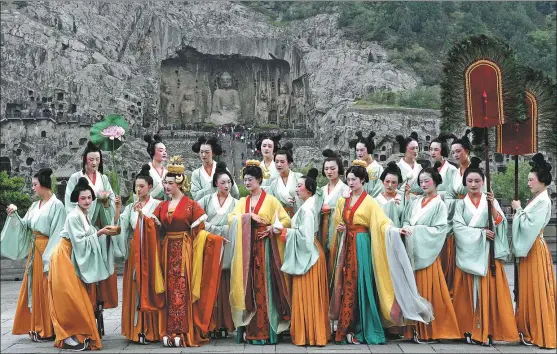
(198, 88)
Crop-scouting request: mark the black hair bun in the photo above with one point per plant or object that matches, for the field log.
(145, 169)
(414, 135)
(437, 164)
(371, 135)
(221, 165)
(400, 139)
(47, 172)
(475, 162)
(82, 182)
(392, 164)
(539, 161)
(312, 173)
(91, 146)
(329, 153)
(288, 146)
(148, 138)
(443, 137)
(359, 134)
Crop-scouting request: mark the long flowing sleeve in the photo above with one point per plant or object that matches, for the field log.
(94, 260)
(300, 253)
(501, 249)
(57, 218)
(72, 181)
(197, 189)
(426, 241)
(106, 215)
(396, 285)
(16, 237)
(121, 242)
(471, 244)
(527, 225)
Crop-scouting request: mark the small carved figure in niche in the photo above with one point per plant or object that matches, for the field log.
(298, 105)
(187, 107)
(226, 102)
(167, 102)
(283, 103)
(262, 109)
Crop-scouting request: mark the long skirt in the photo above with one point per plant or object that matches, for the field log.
(535, 313)
(70, 307)
(448, 262)
(310, 305)
(494, 313)
(222, 314)
(147, 322)
(359, 313)
(177, 317)
(36, 318)
(432, 287)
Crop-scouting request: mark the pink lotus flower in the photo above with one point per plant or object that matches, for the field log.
(113, 132)
(104, 195)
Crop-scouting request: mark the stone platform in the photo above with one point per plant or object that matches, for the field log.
(114, 342)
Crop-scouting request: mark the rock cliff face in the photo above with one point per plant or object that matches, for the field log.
(98, 57)
(66, 64)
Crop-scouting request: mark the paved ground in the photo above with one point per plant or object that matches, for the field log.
(113, 342)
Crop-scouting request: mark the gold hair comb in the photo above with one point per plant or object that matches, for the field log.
(360, 163)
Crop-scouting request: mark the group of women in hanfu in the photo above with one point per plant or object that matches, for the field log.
(379, 252)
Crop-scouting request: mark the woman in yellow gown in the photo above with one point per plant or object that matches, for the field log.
(259, 290)
(368, 258)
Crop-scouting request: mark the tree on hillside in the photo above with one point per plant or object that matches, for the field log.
(11, 193)
(502, 183)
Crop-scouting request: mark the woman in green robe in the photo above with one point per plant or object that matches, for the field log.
(35, 236)
(104, 295)
(81, 258)
(304, 260)
(482, 299)
(202, 178)
(425, 228)
(535, 310)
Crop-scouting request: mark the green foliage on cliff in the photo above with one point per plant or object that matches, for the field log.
(502, 183)
(11, 192)
(419, 34)
(420, 97)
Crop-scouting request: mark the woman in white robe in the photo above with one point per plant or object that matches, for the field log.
(268, 145)
(157, 151)
(35, 236)
(218, 206)
(284, 187)
(439, 152)
(409, 166)
(202, 178)
(364, 147)
(393, 201)
(330, 193)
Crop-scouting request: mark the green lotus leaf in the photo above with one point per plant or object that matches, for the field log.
(108, 133)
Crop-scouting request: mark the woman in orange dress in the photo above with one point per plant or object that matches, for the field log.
(425, 228)
(535, 311)
(482, 299)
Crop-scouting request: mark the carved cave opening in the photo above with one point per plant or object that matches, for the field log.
(198, 88)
